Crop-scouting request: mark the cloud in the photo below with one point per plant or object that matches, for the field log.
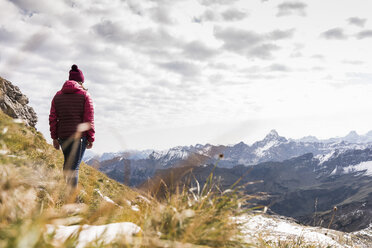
(6, 36)
(238, 40)
(291, 8)
(251, 43)
(234, 15)
(278, 68)
(353, 62)
(318, 68)
(364, 34)
(229, 15)
(183, 68)
(146, 40)
(216, 2)
(198, 50)
(334, 34)
(162, 15)
(34, 44)
(263, 51)
(153, 38)
(281, 34)
(318, 56)
(31, 7)
(359, 78)
(208, 15)
(135, 7)
(360, 22)
(111, 31)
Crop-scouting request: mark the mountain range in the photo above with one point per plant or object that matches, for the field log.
(143, 164)
(304, 179)
(308, 187)
(272, 148)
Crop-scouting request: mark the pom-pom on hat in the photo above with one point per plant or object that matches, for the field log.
(76, 74)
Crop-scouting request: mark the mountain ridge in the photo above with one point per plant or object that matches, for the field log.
(352, 138)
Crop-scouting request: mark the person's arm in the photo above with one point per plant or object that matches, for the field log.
(53, 125)
(89, 117)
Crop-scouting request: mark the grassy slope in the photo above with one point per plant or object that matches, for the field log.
(33, 193)
(32, 186)
(24, 146)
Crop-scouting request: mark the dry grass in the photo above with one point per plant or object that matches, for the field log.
(33, 194)
(197, 216)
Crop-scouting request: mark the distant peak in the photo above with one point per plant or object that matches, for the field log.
(369, 134)
(240, 144)
(273, 132)
(353, 134)
(309, 138)
(273, 135)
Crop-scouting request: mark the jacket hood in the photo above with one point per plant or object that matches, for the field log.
(71, 86)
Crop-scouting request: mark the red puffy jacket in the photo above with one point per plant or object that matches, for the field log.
(71, 106)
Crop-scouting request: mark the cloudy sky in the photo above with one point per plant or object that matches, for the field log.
(179, 72)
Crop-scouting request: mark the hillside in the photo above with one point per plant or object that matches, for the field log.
(36, 209)
(33, 188)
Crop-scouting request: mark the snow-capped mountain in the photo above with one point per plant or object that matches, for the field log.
(308, 187)
(351, 137)
(303, 179)
(128, 154)
(276, 148)
(171, 156)
(272, 148)
(143, 164)
(278, 229)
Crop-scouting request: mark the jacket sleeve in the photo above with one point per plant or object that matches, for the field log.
(53, 121)
(89, 116)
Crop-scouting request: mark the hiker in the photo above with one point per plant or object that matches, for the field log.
(71, 122)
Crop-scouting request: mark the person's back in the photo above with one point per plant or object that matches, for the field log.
(72, 109)
(72, 106)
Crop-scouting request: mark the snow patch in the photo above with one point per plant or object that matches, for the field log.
(107, 199)
(3, 152)
(274, 229)
(324, 157)
(365, 167)
(135, 208)
(333, 172)
(87, 233)
(260, 151)
(365, 232)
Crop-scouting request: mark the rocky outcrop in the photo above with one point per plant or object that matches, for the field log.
(14, 103)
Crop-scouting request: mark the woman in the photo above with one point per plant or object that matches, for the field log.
(71, 122)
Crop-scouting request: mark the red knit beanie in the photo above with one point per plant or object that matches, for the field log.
(76, 74)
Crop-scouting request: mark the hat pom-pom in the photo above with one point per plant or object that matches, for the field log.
(74, 67)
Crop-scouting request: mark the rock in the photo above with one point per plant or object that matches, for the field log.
(14, 103)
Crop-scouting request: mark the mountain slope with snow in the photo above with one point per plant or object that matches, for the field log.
(143, 165)
(275, 229)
